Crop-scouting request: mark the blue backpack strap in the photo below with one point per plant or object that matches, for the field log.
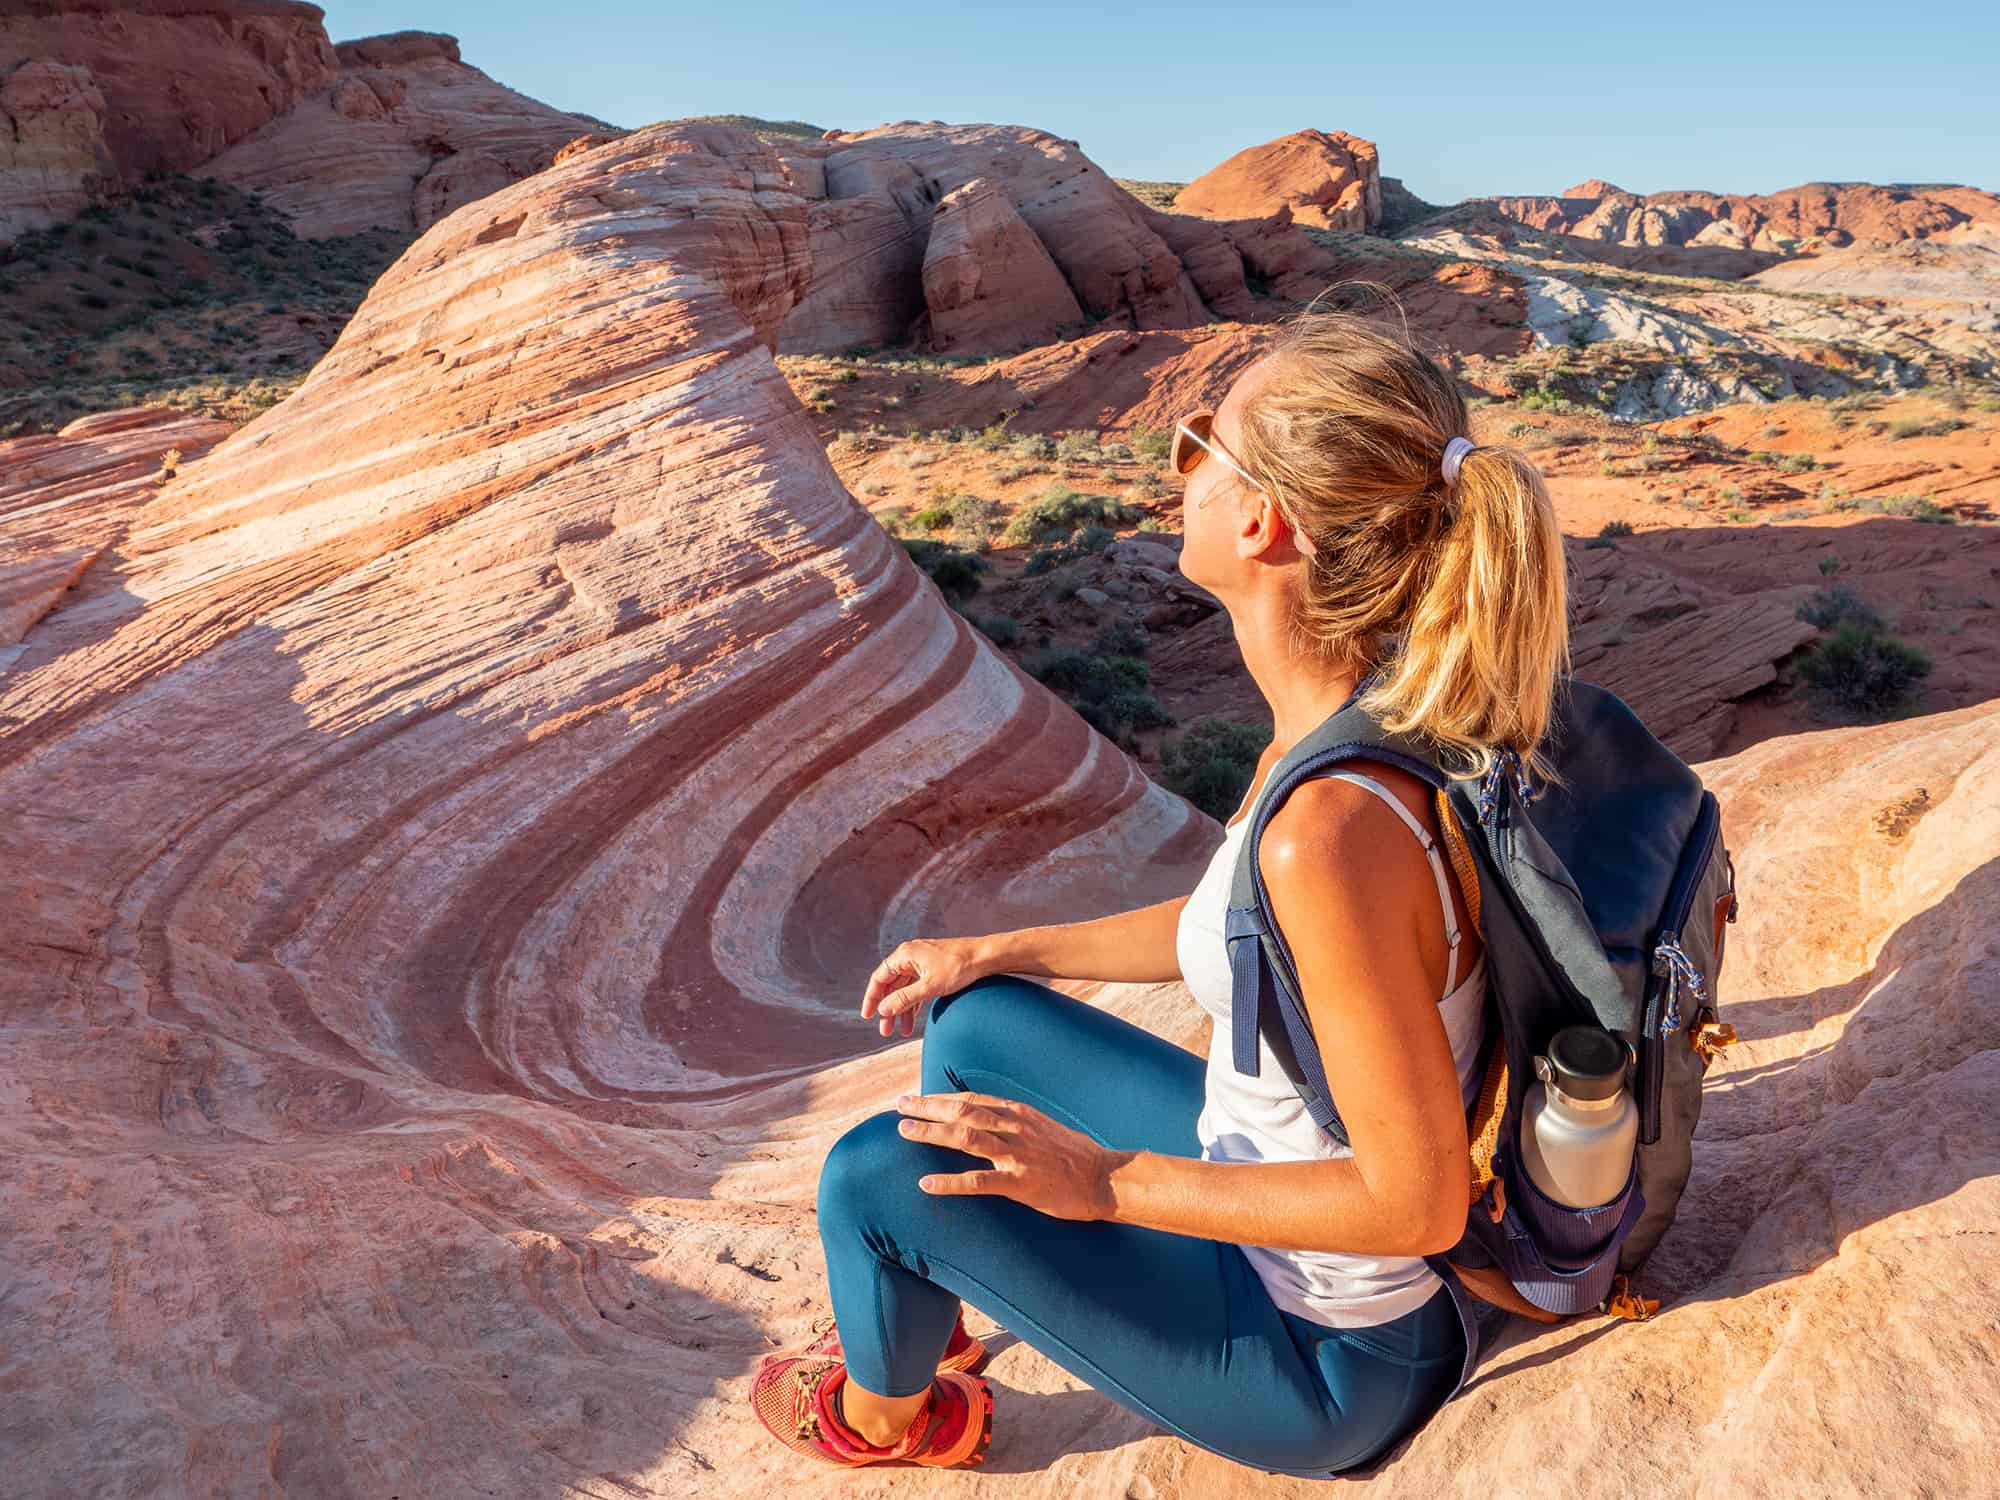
(1264, 985)
(1255, 1011)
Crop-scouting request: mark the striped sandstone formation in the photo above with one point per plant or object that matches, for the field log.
(67, 498)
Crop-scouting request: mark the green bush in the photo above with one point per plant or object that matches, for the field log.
(1111, 693)
(1062, 512)
(1615, 528)
(955, 573)
(1002, 630)
(1212, 765)
(932, 518)
(1153, 444)
(1079, 447)
(1121, 640)
(1862, 670)
(1835, 605)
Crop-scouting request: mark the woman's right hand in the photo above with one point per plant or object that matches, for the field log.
(915, 973)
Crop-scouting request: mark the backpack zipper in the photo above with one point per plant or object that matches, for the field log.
(1671, 969)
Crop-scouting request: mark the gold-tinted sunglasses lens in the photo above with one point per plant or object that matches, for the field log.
(1188, 453)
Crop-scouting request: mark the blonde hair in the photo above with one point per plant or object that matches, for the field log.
(1456, 591)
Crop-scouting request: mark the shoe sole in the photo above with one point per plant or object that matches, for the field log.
(970, 1450)
(970, 1360)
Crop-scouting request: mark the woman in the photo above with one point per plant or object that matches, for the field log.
(1176, 1233)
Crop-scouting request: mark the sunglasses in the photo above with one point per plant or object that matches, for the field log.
(1195, 439)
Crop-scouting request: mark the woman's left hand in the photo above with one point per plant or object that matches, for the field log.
(1051, 1168)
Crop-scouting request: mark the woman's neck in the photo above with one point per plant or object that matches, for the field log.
(1303, 690)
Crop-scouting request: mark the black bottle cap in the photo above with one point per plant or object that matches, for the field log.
(1589, 1062)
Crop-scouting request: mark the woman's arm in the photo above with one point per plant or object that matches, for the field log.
(1349, 887)
(1132, 947)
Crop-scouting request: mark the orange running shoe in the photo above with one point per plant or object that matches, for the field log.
(796, 1398)
(962, 1352)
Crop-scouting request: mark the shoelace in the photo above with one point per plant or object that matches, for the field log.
(805, 1400)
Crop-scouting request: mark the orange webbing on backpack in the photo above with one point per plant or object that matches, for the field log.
(1484, 1122)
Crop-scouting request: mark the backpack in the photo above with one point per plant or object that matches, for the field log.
(1600, 901)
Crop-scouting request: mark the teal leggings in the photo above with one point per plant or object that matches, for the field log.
(1178, 1329)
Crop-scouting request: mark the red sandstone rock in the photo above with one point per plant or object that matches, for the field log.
(1778, 223)
(67, 497)
(54, 162)
(1328, 179)
(405, 134)
(988, 283)
(881, 186)
(179, 79)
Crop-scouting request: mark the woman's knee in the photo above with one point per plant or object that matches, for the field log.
(972, 1025)
(870, 1175)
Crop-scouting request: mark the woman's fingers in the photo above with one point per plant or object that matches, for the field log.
(958, 1183)
(956, 1136)
(889, 980)
(955, 1106)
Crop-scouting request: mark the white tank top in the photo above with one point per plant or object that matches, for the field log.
(1261, 1118)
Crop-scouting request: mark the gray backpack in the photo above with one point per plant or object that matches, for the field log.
(1599, 901)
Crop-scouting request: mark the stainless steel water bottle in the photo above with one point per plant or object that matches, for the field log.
(1579, 1125)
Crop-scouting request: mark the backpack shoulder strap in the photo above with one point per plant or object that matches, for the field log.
(1452, 936)
(1265, 999)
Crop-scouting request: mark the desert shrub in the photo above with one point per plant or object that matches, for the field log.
(1153, 444)
(1798, 463)
(991, 437)
(1086, 540)
(1836, 605)
(1149, 486)
(1079, 447)
(1615, 529)
(1110, 692)
(1121, 640)
(932, 518)
(1061, 512)
(1862, 670)
(1906, 427)
(1212, 765)
(1002, 630)
(1912, 507)
(956, 573)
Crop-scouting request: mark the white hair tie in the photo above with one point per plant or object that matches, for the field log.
(1454, 455)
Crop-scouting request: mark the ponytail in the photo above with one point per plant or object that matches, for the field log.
(1487, 632)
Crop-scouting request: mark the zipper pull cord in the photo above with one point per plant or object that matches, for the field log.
(1671, 961)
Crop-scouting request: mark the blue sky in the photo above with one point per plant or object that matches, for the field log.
(1463, 100)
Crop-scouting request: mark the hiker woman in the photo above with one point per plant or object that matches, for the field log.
(1177, 1233)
